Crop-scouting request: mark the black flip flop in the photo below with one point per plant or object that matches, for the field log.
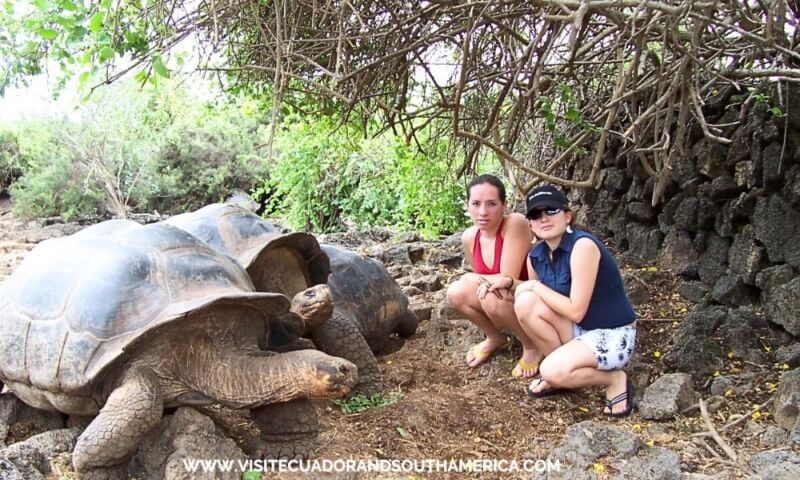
(627, 395)
(548, 392)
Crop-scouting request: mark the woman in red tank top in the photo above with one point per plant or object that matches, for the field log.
(496, 247)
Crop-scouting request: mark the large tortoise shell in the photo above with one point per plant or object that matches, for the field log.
(76, 303)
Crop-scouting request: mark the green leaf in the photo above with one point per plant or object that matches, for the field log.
(105, 53)
(140, 76)
(403, 433)
(67, 5)
(573, 114)
(47, 33)
(67, 22)
(75, 36)
(96, 22)
(251, 475)
(159, 67)
(82, 79)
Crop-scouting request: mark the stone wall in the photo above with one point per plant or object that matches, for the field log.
(729, 224)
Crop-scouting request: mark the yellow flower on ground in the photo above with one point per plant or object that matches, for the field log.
(599, 467)
(657, 354)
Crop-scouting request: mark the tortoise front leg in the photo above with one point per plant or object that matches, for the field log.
(341, 337)
(288, 430)
(132, 409)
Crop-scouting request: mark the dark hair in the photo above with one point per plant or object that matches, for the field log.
(491, 180)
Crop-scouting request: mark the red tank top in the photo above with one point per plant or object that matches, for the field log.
(477, 254)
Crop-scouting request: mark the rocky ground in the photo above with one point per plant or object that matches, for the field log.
(720, 423)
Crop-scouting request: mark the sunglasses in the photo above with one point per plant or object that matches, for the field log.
(536, 214)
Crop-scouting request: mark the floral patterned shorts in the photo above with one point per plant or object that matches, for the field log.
(612, 347)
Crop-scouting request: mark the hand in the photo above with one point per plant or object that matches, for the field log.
(529, 286)
(485, 286)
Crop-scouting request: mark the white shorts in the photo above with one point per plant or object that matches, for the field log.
(612, 347)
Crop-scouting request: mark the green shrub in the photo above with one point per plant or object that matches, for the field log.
(432, 198)
(55, 188)
(135, 150)
(204, 157)
(11, 166)
(163, 149)
(325, 177)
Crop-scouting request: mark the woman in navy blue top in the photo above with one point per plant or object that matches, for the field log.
(574, 309)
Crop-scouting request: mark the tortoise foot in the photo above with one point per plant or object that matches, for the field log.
(117, 472)
(366, 387)
(287, 449)
(288, 430)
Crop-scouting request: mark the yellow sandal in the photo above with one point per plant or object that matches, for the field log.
(474, 353)
(521, 366)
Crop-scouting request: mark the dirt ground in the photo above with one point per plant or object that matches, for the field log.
(445, 411)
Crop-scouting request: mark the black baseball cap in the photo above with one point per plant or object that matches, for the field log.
(545, 196)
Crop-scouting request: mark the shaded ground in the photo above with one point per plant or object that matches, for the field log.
(446, 411)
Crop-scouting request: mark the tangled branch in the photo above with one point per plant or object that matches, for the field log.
(542, 84)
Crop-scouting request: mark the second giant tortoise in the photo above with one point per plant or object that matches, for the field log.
(121, 320)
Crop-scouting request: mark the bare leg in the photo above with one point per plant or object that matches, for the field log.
(547, 329)
(132, 409)
(570, 363)
(490, 315)
(574, 365)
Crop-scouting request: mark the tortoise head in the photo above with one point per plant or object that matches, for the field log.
(314, 305)
(327, 376)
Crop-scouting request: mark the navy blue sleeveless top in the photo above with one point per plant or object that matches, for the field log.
(609, 307)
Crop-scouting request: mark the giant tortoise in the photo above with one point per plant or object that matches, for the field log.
(121, 320)
(368, 304)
